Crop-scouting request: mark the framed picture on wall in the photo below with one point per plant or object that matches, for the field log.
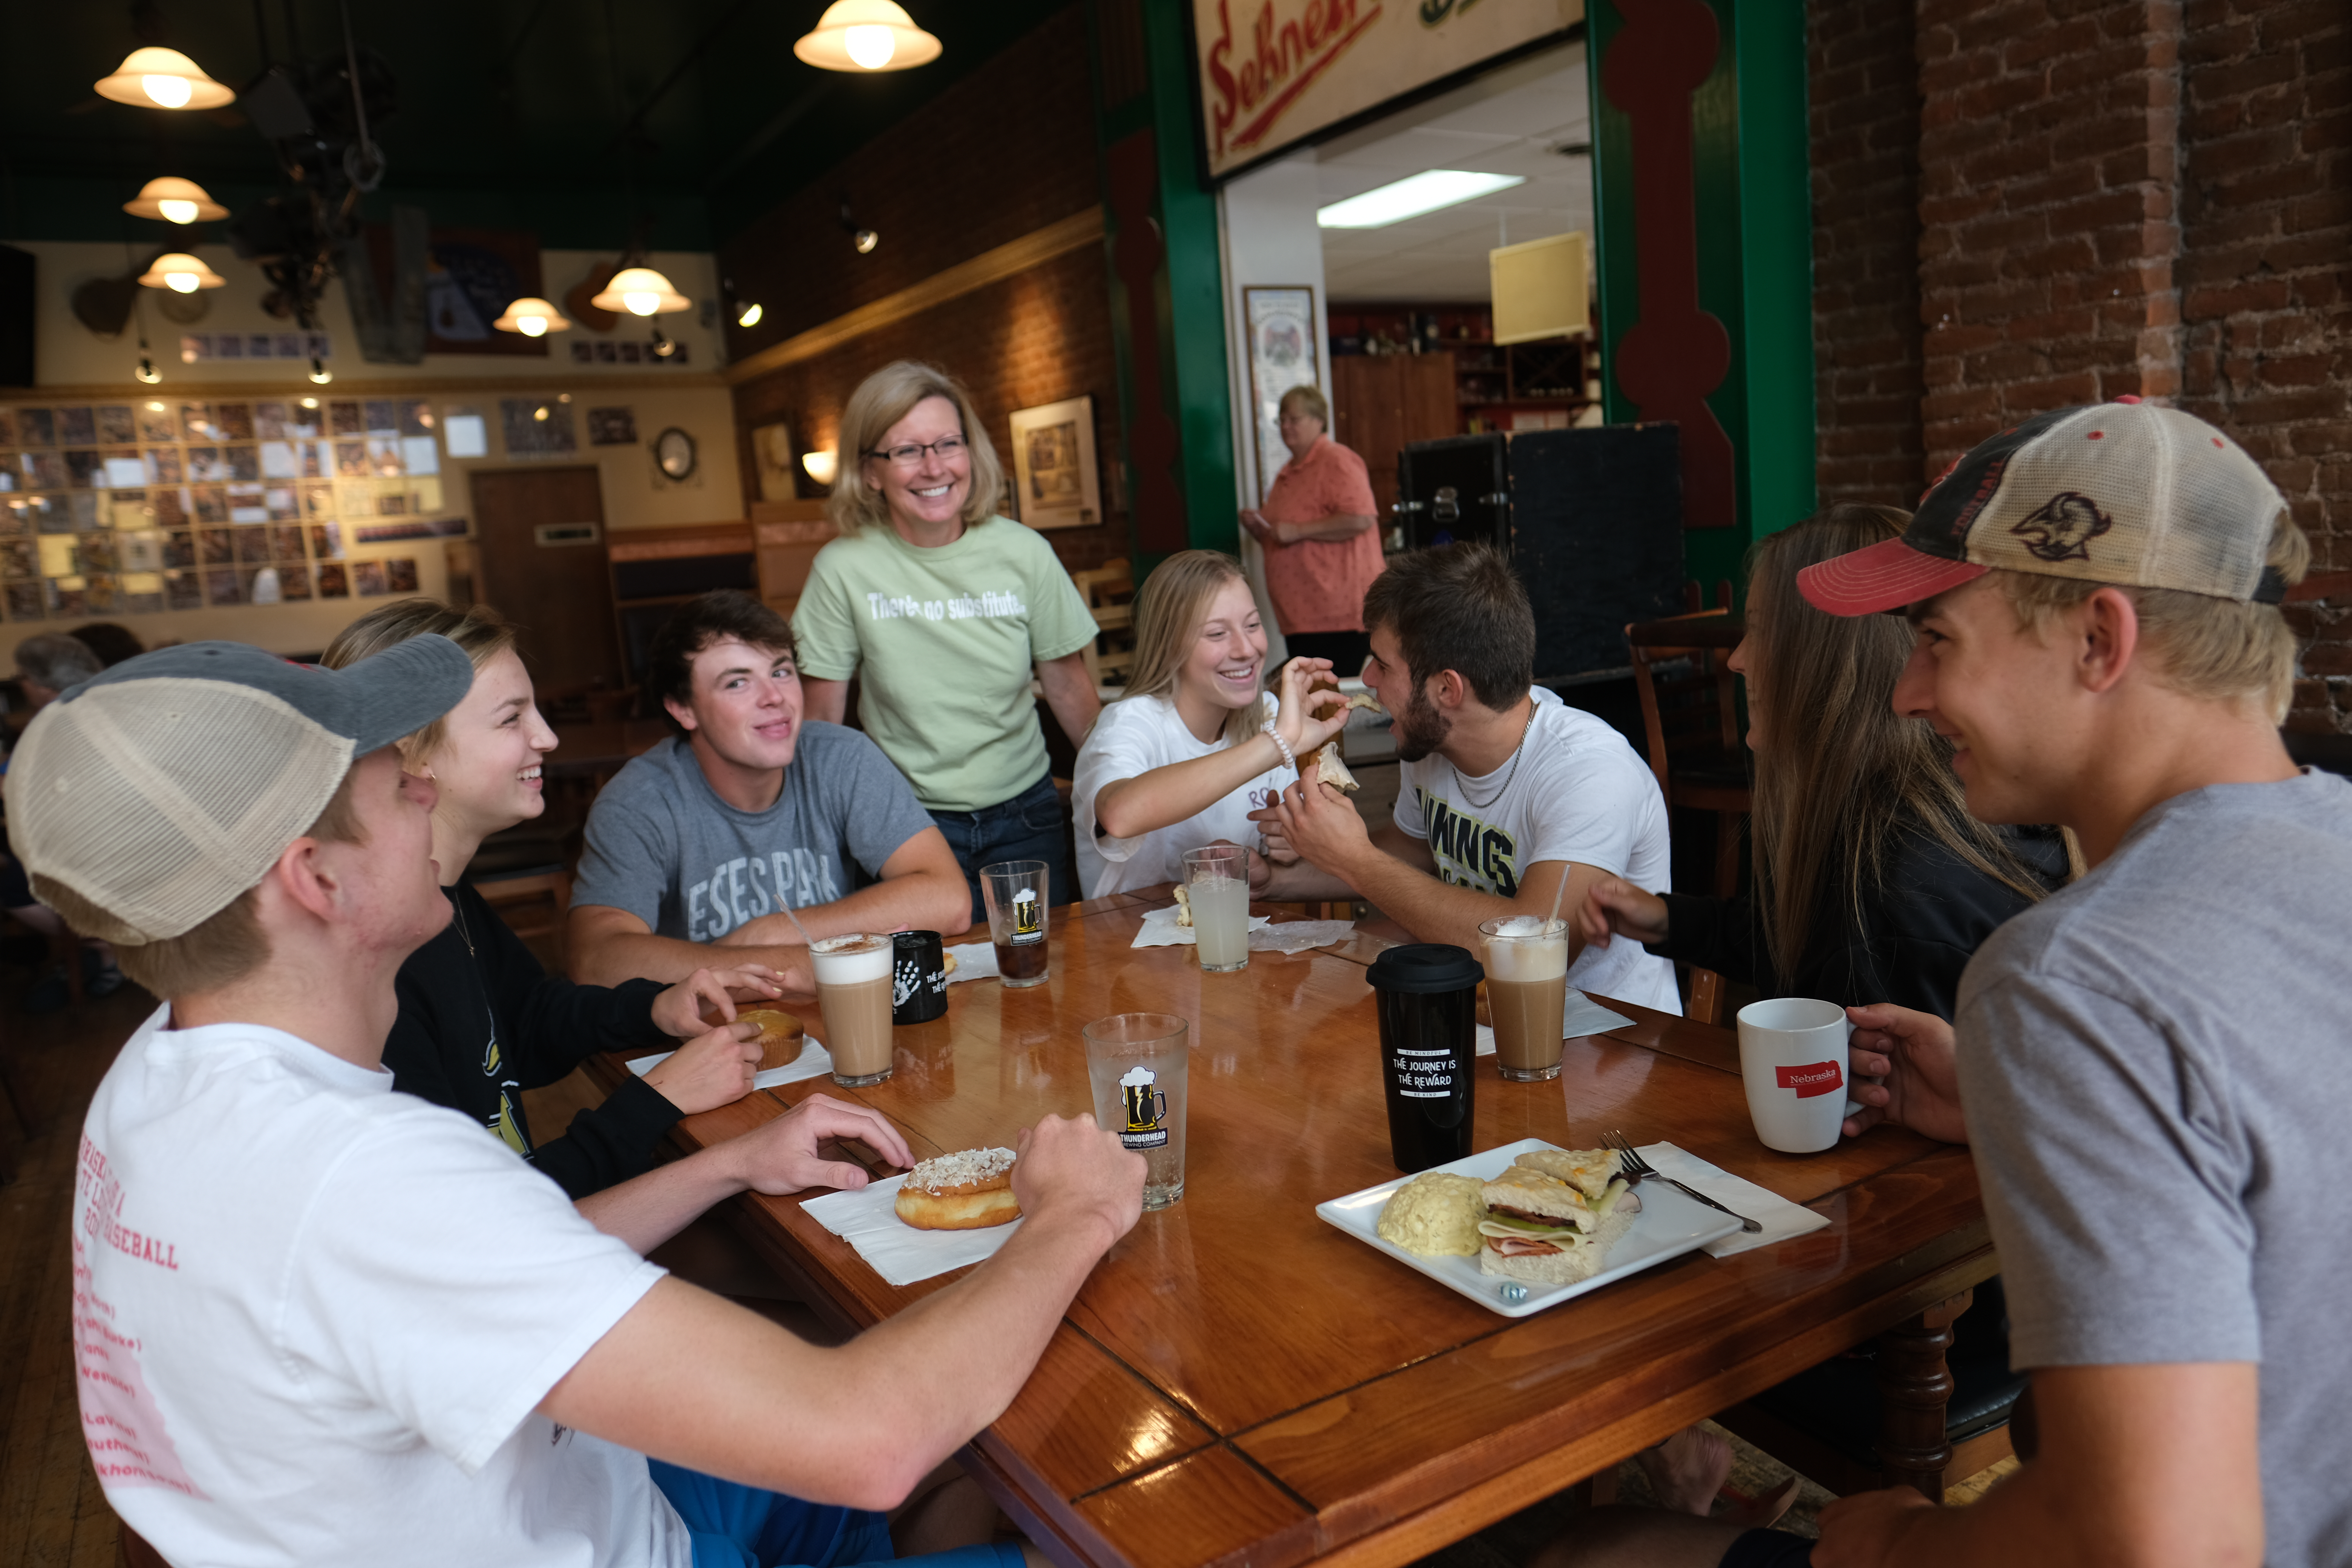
(1283, 353)
(1055, 483)
(771, 448)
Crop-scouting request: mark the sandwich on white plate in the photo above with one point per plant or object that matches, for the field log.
(1553, 1215)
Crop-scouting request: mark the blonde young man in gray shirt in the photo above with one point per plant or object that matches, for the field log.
(2142, 1061)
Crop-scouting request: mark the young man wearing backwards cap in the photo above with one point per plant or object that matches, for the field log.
(2163, 1155)
(317, 1322)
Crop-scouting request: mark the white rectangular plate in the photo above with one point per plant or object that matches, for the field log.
(1668, 1225)
(814, 1061)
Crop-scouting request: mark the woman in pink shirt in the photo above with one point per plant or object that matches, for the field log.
(1322, 542)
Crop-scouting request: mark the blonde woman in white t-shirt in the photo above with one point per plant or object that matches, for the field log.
(1183, 758)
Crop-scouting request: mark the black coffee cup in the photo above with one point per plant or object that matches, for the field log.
(918, 977)
(1428, 1002)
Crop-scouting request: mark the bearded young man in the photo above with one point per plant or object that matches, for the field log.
(1504, 789)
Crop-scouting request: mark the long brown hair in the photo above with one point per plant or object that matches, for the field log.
(480, 630)
(1840, 773)
(1169, 610)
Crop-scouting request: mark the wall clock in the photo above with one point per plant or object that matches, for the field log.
(673, 451)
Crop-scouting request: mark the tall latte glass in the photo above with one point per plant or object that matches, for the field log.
(1527, 990)
(853, 992)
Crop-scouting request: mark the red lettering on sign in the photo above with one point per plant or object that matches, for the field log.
(1283, 58)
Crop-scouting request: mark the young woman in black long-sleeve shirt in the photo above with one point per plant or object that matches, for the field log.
(479, 1020)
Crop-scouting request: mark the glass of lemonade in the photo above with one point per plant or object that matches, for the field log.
(853, 992)
(1135, 1063)
(1216, 882)
(1527, 990)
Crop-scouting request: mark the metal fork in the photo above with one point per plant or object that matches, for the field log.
(1639, 1169)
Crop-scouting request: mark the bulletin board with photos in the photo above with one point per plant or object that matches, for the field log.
(138, 507)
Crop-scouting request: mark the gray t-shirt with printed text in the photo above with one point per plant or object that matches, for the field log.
(2156, 1064)
(665, 847)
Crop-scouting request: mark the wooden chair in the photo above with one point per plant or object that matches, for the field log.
(1109, 593)
(1690, 712)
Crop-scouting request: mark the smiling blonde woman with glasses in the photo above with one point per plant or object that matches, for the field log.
(945, 610)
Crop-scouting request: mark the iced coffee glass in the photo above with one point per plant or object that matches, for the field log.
(853, 992)
(1015, 894)
(1526, 990)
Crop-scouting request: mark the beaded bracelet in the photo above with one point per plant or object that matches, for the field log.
(1290, 757)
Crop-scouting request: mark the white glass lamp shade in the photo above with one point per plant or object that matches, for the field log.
(821, 465)
(163, 79)
(175, 200)
(532, 317)
(182, 274)
(866, 36)
(640, 291)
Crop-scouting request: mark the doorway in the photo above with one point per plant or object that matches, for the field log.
(541, 564)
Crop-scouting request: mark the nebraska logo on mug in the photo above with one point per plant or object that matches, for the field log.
(1811, 1080)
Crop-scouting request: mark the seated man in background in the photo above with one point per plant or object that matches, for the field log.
(317, 1322)
(1504, 789)
(692, 845)
(2094, 593)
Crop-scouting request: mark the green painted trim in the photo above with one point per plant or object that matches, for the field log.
(1752, 184)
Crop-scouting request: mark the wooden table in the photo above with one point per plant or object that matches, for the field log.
(1239, 1382)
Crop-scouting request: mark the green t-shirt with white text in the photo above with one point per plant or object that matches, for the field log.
(944, 640)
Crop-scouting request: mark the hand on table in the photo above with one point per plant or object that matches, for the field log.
(1071, 1171)
(712, 1069)
(1912, 1054)
(677, 1012)
(1866, 1530)
(1615, 907)
(782, 1156)
(1316, 824)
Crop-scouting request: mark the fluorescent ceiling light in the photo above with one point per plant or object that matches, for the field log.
(1411, 196)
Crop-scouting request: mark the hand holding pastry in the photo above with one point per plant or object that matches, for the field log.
(712, 1069)
(678, 1011)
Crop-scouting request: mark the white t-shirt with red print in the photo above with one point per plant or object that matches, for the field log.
(313, 1320)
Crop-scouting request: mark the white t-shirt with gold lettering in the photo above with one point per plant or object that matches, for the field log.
(1580, 793)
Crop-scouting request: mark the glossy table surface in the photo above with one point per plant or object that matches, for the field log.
(1240, 1382)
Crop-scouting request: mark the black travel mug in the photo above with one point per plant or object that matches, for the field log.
(918, 977)
(1428, 999)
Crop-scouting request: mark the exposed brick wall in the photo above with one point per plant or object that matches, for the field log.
(2049, 223)
(1036, 338)
(1001, 155)
(2266, 277)
(1865, 91)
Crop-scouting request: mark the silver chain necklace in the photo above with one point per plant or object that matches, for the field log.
(1515, 753)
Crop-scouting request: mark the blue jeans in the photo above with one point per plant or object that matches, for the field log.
(1026, 828)
(736, 1526)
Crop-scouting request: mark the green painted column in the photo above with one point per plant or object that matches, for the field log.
(1742, 157)
(1167, 287)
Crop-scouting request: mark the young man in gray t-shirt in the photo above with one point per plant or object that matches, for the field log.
(691, 845)
(2144, 1059)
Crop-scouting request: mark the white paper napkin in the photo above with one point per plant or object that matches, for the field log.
(1160, 930)
(1781, 1218)
(1298, 936)
(974, 961)
(895, 1249)
(1580, 1014)
(814, 1061)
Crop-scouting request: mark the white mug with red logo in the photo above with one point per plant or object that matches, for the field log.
(1792, 1058)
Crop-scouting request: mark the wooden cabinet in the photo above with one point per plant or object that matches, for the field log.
(1382, 402)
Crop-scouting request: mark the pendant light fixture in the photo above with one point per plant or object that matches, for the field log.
(532, 317)
(866, 36)
(181, 273)
(163, 79)
(175, 200)
(821, 465)
(640, 291)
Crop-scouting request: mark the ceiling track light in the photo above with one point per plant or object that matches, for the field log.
(162, 78)
(866, 36)
(320, 376)
(747, 312)
(175, 200)
(865, 239)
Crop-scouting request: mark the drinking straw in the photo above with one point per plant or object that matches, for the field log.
(804, 930)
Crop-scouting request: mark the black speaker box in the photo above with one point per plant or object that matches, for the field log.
(16, 317)
(1597, 536)
(1453, 487)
